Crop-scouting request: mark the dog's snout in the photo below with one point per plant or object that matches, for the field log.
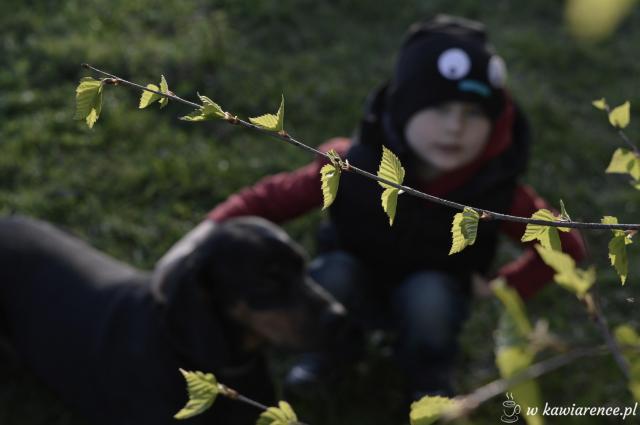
(333, 320)
(327, 320)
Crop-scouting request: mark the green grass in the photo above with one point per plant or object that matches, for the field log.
(140, 179)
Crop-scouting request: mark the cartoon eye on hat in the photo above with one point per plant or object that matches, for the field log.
(497, 71)
(454, 64)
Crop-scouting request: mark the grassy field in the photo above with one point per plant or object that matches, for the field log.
(140, 179)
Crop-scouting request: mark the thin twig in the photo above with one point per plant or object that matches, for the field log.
(629, 143)
(235, 395)
(480, 395)
(613, 345)
(118, 80)
(622, 134)
(485, 214)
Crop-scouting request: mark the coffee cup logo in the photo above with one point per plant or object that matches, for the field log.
(510, 410)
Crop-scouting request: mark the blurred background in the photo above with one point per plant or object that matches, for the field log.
(140, 179)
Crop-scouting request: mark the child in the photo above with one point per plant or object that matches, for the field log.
(449, 118)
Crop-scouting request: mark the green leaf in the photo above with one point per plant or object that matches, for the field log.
(511, 360)
(618, 249)
(330, 177)
(208, 111)
(607, 219)
(429, 409)
(390, 202)
(203, 390)
(624, 161)
(513, 328)
(88, 100)
(547, 235)
(618, 256)
(464, 229)
(390, 169)
(630, 340)
(210, 107)
(625, 335)
(619, 116)
(164, 88)
(564, 215)
(595, 20)
(513, 351)
(271, 122)
(600, 104)
(281, 415)
(513, 305)
(334, 157)
(147, 97)
(567, 275)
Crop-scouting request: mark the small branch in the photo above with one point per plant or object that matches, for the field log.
(629, 143)
(235, 395)
(287, 138)
(613, 345)
(118, 80)
(482, 394)
(623, 136)
(231, 119)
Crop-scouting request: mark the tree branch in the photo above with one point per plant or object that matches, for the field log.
(614, 347)
(480, 395)
(235, 395)
(622, 135)
(485, 214)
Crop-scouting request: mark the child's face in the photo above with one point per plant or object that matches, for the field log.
(449, 135)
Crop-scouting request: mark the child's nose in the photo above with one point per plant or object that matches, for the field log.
(454, 120)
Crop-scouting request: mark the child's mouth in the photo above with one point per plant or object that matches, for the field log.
(448, 149)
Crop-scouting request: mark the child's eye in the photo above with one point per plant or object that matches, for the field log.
(442, 108)
(454, 64)
(474, 112)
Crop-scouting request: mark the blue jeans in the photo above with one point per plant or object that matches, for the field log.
(425, 309)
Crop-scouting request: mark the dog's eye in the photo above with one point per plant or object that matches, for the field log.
(282, 272)
(273, 273)
(272, 284)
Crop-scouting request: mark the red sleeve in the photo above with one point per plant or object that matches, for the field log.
(528, 273)
(282, 196)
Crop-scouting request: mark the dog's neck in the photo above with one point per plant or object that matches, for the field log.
(242, 340)
(252, 342)
(244, 348)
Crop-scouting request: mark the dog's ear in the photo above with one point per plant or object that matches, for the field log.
(185, 300)
(184, 259)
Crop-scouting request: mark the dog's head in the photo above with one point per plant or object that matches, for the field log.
(249, 271)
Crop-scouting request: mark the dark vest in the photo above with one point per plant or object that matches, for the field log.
(420, 238)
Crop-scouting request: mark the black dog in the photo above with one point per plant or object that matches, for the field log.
(110, 338)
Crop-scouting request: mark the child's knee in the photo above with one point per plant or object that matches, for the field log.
(430, 309)
(338, 272)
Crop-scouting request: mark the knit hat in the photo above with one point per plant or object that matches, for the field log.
(444, 59)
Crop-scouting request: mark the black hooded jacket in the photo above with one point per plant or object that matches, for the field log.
(420, 237)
